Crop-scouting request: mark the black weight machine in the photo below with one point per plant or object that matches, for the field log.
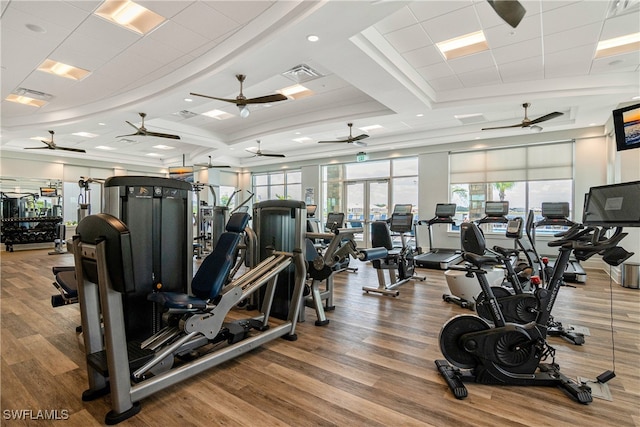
(505, 353)
(399, 262)
(197, 336)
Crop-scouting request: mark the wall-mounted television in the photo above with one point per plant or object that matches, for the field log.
(182, 173)
(626, 123)
(48, 192)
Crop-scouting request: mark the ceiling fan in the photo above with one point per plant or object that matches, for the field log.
(50, 145)
(242, 101)
(511, 11)
(355, 140)
(259, 153)
(142, 131)
(209, 165)
(526, 123)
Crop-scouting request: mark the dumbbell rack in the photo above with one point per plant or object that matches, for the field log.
(28, 230)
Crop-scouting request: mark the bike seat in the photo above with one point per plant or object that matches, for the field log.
(480, 260)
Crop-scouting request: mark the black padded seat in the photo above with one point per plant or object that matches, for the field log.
(213, 272)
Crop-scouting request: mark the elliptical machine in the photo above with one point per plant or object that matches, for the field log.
(511, 354)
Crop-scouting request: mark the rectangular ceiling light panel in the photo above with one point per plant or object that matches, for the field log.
(618, 45)
(129, 15)
(463, 45)
(63, 70)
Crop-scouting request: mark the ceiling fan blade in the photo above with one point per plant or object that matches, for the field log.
(264, 99)
(271, 155)
(359, 137)
(161, 135)
(131, 134)
(132, 125)
(333, 142)
(214, 97)
(511, 11)
(546, 117)
(519, 125)
(77, 150)
(208, 166)
(37, 148)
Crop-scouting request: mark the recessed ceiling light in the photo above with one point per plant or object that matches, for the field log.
(85, 134)
(618, 45)
(188, 100)
(463, 45)
(102, 124)
(593, 124)
(104, 147)
(63, 70)
(313, 38)
(25, 100)
(302, 139)
(129, 15)
(163, 147)
(154, 154)
(636, 98)
(370, 128)
(420, 115)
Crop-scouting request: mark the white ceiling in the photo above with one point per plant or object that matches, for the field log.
(378, 61)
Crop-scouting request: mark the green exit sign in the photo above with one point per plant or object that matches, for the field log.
(361, 157)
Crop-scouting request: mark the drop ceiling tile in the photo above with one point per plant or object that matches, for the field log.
(85, 52)
(574, 15)
(408, 38)
(518, 51)
(481, 77)
(571, 62)
(241, 12)
(424, 56)
(457, 23)
(59, 13)
(528, 29)
(178, 37)
(205, 21)
(550, 5)
(154, 50)
(400, 19)
(446, 83)
(100, 29)
(473, 62)
(616, 63)
(165, 8)
(435, 71)
(523, 70)
(86, 5)
(580, 36)
(621, 26)
(425, 10)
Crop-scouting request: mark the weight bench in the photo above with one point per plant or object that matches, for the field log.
(65, 283)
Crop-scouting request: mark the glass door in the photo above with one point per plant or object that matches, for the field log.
(366, 201)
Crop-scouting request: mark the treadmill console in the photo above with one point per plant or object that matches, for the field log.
(514, 228)
(555, 213)
(495, 213)
(401, 223)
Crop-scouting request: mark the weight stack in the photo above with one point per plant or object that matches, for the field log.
(280, 224)
(158, 213)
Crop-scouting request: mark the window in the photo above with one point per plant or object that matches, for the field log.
(285, 185)
(524, 176)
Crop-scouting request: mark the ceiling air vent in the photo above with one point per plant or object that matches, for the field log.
(302, 73)
(35, 94)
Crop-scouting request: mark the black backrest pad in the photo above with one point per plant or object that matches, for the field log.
(215, 268)
(238, 222)
(471, 238)
(114, 232)
(380, 235)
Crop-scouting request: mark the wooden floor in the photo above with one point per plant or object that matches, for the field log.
(373, 365)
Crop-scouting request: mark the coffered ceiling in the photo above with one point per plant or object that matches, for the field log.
(375, 64)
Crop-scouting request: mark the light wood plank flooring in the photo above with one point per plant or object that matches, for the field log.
(373, 365)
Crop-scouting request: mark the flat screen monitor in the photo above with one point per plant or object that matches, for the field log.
(496, 208)
(335, 218)
(402, 208)
(615, 205)
(181, 173)
(48, 192)
(445, 209)
(555, 210)
(626, 122)
(311, 210)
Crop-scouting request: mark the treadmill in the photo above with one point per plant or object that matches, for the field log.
(495, 213)
(557, 214)
(439, 258)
